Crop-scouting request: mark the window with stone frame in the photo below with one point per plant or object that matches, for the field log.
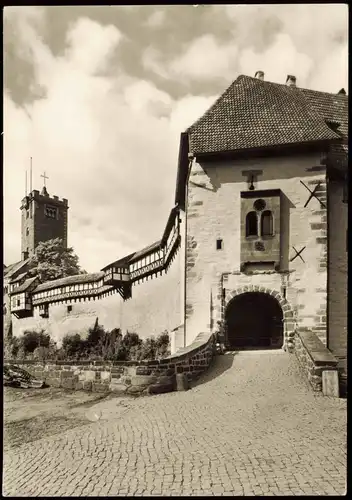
(261, 228)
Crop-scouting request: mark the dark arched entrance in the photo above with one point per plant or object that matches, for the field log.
(254, 320)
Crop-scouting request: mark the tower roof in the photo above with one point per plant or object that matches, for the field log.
(253, 113)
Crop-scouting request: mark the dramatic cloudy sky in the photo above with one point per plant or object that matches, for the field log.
(98, 97)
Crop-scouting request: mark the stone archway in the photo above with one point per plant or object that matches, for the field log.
(263, 312)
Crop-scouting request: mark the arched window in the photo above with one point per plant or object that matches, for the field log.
(251, 224)
(267, 223)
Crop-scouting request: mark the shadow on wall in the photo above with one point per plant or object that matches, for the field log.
(219, 365)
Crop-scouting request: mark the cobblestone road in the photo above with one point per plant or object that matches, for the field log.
(250, 426)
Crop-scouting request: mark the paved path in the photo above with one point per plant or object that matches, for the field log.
(250, 426)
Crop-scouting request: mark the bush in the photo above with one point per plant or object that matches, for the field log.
(131, 340)
(73, 346)
(11, 347)
(29, 345)
(149, 348)
(32, 339)
(96, 335)
(162, 345)
(100, 344)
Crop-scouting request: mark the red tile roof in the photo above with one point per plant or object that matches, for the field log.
(253, 113)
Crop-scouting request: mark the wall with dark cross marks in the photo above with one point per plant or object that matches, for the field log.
(213, 213)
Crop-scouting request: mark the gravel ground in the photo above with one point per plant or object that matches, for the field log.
(32, 414)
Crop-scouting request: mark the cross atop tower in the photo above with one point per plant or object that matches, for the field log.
(45, 177)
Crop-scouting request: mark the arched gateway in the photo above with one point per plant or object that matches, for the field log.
(255, 320)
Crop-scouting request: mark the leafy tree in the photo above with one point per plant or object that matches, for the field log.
(130, 340)
(148, 349)
(73, 345)
(51, 260)
(162, 345)
(96, 335)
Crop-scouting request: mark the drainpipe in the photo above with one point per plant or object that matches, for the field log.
(222, 305)
(190, 158)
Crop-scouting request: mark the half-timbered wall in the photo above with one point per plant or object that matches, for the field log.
(18, 302)
(155, 307)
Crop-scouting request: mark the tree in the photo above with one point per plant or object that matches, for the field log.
(51, 261)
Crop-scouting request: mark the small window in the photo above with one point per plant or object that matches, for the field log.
(45, 311)
(27, 214)
(267, 223)
(4, 309)
(27, 231)
(69, 309)
(251, 224)
(18, 302)
(218, 244)
(50, 212)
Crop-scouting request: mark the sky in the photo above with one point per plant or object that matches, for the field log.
(98, 97)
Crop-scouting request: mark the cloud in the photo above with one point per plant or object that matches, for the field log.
(156, 19)
(152, 61)
(205, 58)
(287, 61)
(108, 143)
(304, 40)
(109, 140)
(91, 45)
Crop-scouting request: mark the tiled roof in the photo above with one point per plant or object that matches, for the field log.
(134, 256)
(120, 262)
(25, 285)
(146, 250)
(70, 280)
(332, 107)
(19, 278)
(253, 113)
(13, 268)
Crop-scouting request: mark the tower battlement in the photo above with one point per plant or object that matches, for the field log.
(44, 217)
(43, 198)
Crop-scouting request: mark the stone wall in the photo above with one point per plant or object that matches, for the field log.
(338, 275)
(133, 377)
(313, 357)
(213, 212)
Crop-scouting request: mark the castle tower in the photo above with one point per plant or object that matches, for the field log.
(43, 218)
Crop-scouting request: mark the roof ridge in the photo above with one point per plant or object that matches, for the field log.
(297, 87)
(256, 80)
(250, 110)
(214, 103)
